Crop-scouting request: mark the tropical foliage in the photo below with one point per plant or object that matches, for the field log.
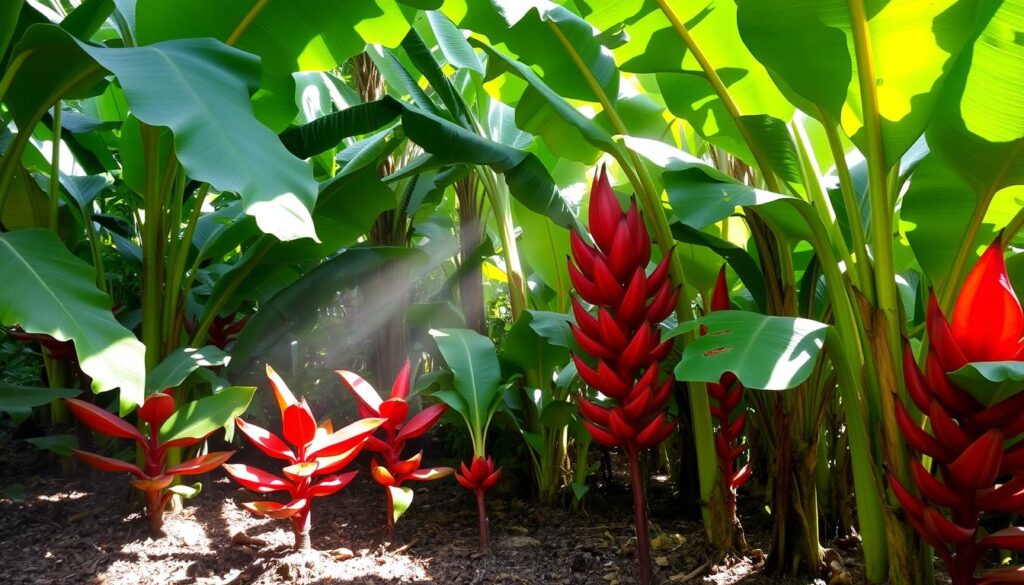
(731, 228)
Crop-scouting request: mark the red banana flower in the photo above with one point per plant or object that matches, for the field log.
(728, 394)
(315, 454)
(978, 467)
(154, 478)
(392, 470)
(623, 337)
(479, 477)
(988, 322)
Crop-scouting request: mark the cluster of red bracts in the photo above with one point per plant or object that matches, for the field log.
(390, 469)
(316, 455)
(154, 477)
(727, 395)
(223, 331)
(480, 476)
(975, 468)
(624, 336)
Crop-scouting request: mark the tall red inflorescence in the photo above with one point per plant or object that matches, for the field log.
(977, 467)
(622, 337)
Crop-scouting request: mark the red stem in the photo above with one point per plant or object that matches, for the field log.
(481, 511)
(300, 525)
(643, 544)
(155, 509)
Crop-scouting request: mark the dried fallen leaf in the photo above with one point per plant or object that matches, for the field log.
(661, 561)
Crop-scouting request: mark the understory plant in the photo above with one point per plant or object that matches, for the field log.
(730, 414)
(475, 393)
(315, 456)
(391, 470)
(977, 463)
(164, 426)
(624, 339)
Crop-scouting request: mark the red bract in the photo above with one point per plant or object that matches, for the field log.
(623, 337)
(391, 470)
(479, 477)
(314, 456)
(977, 467)
(223, 331)
(988, 322)
(728, 394)
(154, 477)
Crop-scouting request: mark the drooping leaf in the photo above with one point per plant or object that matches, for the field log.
(176, 367)
(201, 417)
(199, 88)
(764, 352)
(990, 382)
(18, 401)
(50, 291)
(60, 444)
(301, 35)
(328, 131)
(528, 180)
(808, 46)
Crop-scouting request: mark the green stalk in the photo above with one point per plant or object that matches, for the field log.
(866, 483)
(152, 251)
(849, 192)
(1013, 228)
(54, 186)
(723, 94)
(823, 205)
(180, 281)
(886, 295)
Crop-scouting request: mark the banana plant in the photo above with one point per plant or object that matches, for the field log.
(476, 393)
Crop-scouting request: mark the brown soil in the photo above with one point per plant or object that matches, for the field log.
(78, 531)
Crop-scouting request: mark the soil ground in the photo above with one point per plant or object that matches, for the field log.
(78, 531)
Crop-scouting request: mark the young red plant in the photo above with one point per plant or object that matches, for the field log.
(728, 397)
(390, 469)
(978, 467)
(479, 477)
(154, 478)
(623, 338)
(316, 455)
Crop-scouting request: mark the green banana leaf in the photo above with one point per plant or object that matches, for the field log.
(48, 290)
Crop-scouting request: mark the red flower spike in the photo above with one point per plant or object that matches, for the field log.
(318, 452)
(624, 338)
(727, 396)
(583, 253)
(720, 294)
(968, 440)
(604, 212)
(392, 470)
(988, 322)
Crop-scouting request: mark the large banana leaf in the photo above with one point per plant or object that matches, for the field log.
(808, 46)
(473, 361)
(527, 179)
(288, 36)
(969, 185)
(530, 31)
(766, 353)
(47, 290)
(199, 88)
